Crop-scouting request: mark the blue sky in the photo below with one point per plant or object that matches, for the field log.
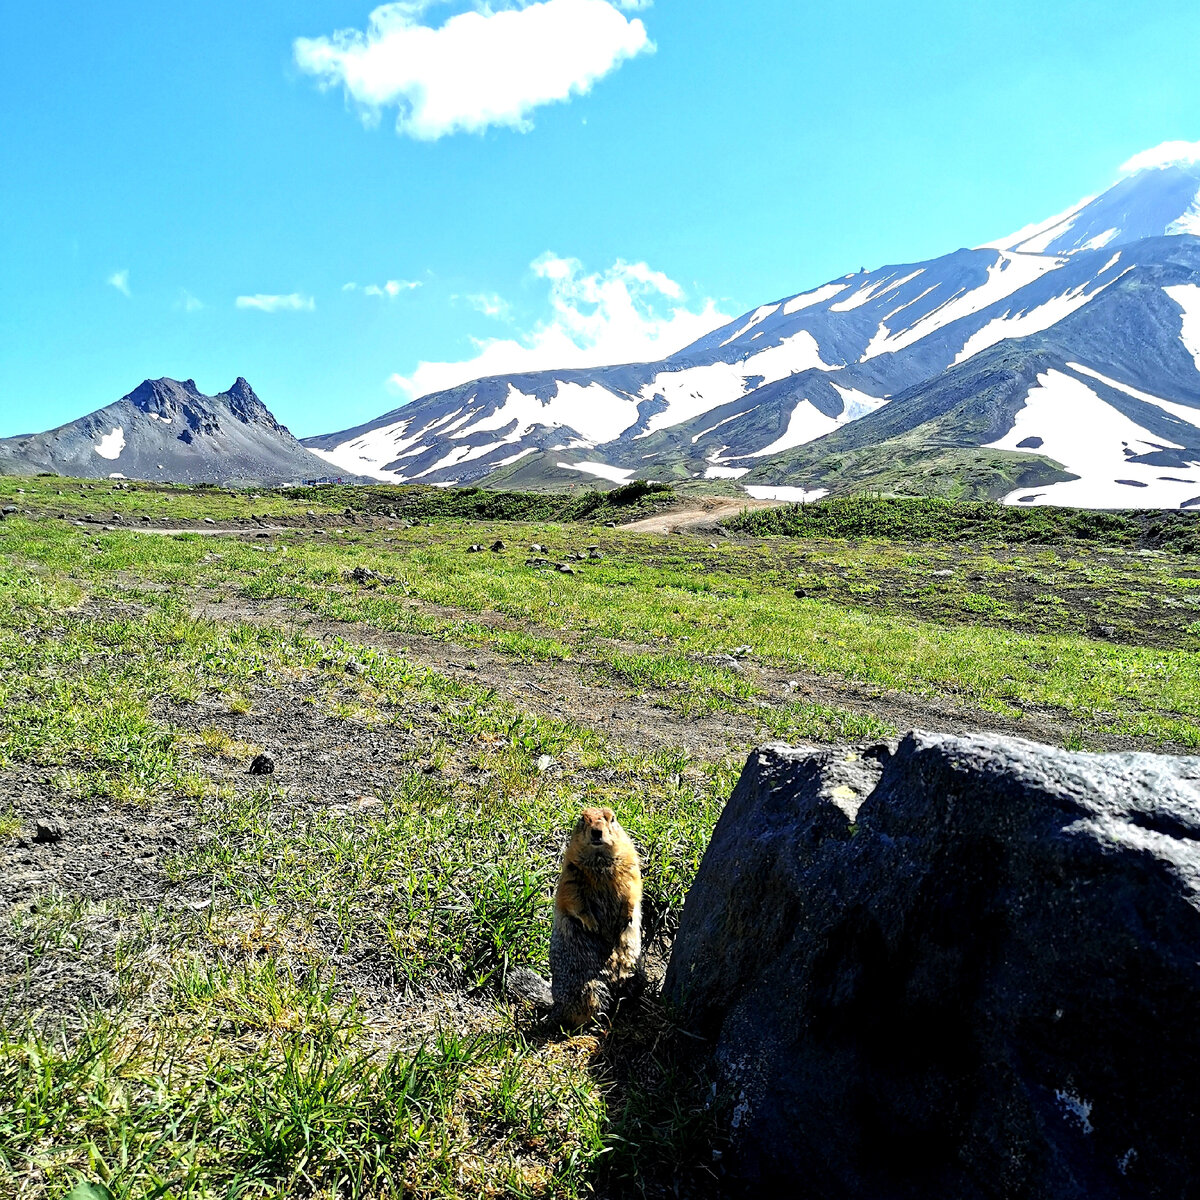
(162, 161)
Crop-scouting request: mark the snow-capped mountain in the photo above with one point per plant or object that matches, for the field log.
(168, 431)
(1105, 298)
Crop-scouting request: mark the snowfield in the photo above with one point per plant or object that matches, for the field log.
(1072, 425)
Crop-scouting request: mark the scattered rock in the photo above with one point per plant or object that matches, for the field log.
(354, 667)
(47, 832)
(566, 569)
(537, 548)
(544, 763)
(262, 764)
(538, 562)
(497, 546)
(963, 968)
(365, 576)
(9, 509)
(209, 521)
(475, 548)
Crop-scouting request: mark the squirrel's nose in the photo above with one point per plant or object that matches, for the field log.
(597, 835)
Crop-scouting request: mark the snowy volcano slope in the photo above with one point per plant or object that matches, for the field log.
(169, 431)
(740, 402)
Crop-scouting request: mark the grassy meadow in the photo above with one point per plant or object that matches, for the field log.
(220, 984)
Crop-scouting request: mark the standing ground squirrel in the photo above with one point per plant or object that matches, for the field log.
(596, 942)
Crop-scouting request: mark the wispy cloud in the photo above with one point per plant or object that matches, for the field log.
(1168, 154)
(187, 302)
(292, 303)
(120, 280)
(490, 305)
(392, 288)
(628, 313)
(490, 66)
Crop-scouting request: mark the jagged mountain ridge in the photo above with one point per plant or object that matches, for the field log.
(802, 371)
(169, 431)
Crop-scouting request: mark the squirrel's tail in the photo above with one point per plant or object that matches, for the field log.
(529, 986)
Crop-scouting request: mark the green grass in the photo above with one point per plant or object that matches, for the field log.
(245, 1045)
(930, 519)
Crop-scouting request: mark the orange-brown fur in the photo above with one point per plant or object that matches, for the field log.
(596, 943)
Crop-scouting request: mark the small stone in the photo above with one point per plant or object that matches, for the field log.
(110, 529)
(497, 546)
(474, 548)
(354, 667)
(537, 548)
(262, 764)
(209, 521)
(564, 569)
(47, 832)
(544, 763)
(9, 509)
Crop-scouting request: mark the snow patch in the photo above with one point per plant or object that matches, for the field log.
(696, 390)
(1008, 274)
(111, 444)
(1090, 439)
(1042, 233)
(1189, 222)
(1033, 321)
(808, 299)
(602, 470)
(591, 410)
(1184, 412)
(1100, 240)
(1187, 296)
(879, 288)
(805, 424)
(715, 472)
(793, 495)
(759, 315)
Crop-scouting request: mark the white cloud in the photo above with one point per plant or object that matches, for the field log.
(490, 305)
(294, 302)
(392, 288)
(597, 319)
(120, 280)
(1166, 155)
(489, 66)
(187, 302)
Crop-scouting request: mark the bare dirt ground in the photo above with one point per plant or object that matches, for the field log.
(700, 517)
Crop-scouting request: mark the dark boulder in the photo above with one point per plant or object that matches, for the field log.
(967, 968)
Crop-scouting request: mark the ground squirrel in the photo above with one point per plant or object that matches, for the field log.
(596, 942)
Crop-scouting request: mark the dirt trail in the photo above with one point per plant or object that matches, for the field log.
(700, 517)
(643, 717)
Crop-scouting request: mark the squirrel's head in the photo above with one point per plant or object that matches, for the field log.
(597, 829)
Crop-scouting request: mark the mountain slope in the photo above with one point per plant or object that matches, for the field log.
(169, 431)
(805, 370)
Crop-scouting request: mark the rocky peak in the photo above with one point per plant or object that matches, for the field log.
(246, 406)
(165, 397)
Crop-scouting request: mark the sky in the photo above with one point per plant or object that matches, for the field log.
(353, 205)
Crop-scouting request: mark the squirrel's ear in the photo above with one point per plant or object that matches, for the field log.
(608, 814)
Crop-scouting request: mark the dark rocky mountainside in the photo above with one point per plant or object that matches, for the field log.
(963, 967)
(168, 431)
